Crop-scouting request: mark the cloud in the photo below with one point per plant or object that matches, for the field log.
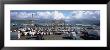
(85, 14)
(14, 13)
(50, 15)
(57, 15)
(21, 15)
(68, 18)
(44, 15)
(24, 15)
(76, 14)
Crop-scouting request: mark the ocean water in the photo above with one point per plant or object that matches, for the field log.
(13, 36)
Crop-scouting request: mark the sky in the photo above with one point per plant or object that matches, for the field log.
(67, 15)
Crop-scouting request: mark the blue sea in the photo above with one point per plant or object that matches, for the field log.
(13, 36)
